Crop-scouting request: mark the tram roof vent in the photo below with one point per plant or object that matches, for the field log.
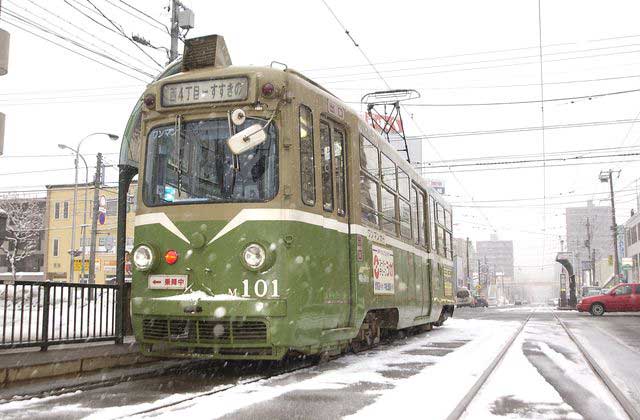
(205, 51)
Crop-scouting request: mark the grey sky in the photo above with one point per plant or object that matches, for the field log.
(52, 96)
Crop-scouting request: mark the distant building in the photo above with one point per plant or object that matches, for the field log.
(58, 226)
(632, 248)
(460, 250)
(601, 243)
(498, 255)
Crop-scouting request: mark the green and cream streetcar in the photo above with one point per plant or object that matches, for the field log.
(272, 219)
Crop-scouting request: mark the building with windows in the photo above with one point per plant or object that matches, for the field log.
(58, 227)
(497, 255)
(632, 247)
(589, 238)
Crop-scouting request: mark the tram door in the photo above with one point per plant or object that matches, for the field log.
(334, 204)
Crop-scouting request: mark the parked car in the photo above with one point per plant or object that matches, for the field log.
(464, 298)
(623, 298)
(517, 302)
(481, 302)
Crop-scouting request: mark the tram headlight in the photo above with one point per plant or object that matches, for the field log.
(143, 258)
(254, 256)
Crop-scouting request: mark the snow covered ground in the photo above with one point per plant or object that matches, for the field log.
(542, 376)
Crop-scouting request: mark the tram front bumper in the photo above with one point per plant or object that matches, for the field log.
(221, 308)
(225, 329)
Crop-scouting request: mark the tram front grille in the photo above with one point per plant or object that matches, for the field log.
(195, 330)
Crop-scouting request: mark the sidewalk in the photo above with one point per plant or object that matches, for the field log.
(27, 364)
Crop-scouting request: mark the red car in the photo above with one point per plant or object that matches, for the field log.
(623, 298)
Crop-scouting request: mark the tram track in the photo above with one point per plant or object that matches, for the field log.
(620, 397)
(627, 405)
(460, 408)
(219, 389)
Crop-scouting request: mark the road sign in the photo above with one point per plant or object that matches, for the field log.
(102, 217)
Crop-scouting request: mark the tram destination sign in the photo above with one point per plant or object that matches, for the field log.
(205, 91)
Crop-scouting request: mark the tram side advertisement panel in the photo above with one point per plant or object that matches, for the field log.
(383, 271)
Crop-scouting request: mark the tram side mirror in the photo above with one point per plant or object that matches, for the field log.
(247, 139)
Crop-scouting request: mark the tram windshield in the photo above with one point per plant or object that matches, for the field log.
(197, 165)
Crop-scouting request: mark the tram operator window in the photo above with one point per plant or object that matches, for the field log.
(197, 166)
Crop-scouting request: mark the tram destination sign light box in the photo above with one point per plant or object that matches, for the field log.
(205, 91)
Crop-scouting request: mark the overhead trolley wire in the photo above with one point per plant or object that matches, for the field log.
(49, 31)
(389, 87)
(360, 78)
(143, 14)
(121, 32)
(529, 101)
(495, 60)
(521, 129)
(75, 52)
(474, 53)
(136, 16)
(116, 48)
(425, 172)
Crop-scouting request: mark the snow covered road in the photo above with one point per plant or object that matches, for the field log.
(543, 375)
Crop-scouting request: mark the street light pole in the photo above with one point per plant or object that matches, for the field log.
(72, 251)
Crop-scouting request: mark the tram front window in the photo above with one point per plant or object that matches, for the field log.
(197, 166)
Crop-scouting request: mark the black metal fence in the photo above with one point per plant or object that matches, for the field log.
(36, 313)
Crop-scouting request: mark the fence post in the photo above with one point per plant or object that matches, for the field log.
(45, 317)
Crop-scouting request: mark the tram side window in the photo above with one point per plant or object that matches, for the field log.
(339, 167)
(389, 212)
(449, 223)
(327, 167)
(368, 199)
(423, 219)
(405, 218)
(369, 156)
(432, 224)
(440, 241)
(307, 163)
(404, 184)
(388, 170)
(415, 216)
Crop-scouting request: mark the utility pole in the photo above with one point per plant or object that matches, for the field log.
(593, 264)
(604, 177)
(94, 220)
(175, 31)
(181, 18)
(468, 277)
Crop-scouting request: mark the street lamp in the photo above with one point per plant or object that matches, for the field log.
(607, 176)
(72, 252)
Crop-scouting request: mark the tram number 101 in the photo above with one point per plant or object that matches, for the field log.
(260, 288)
